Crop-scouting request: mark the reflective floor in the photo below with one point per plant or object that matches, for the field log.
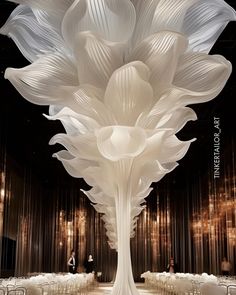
(103, 288)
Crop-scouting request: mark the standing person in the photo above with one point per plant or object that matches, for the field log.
(89, 264)
(172, 266)
(72, 262)
(225, 267)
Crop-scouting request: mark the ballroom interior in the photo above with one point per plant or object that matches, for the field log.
(190, 214)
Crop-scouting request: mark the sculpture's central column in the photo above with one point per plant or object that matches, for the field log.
(124, 282)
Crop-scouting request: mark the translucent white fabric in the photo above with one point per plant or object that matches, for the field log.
(119, 75)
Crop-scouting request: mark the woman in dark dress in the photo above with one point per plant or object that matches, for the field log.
(72, 263)
(89, 264)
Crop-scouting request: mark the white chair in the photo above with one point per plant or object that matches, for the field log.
(225, 287)
(3, 290)
(32, 288)
(10, 287)
(231, 289)
(17, 291)
(184, 286)
(212, 289)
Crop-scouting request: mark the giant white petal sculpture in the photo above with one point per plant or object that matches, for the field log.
(119, 74)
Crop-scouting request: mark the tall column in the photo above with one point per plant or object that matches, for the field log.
(124, 282)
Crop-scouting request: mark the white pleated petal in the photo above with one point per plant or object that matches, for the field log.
(177, 119)
(111, 19)
(173, 149)
(205, 21)
(51, 20)
(155, 144)
(60, 5)
(83, 146)
(94, 177)
(149, 170)
(170, 14)
(129, 93)
(139, 193)
(45, 81)
(161, 52)
(103, 177)
(87, 101)
(203, 76)
(49, 13)
(32, 39)
(97, 59)
(84, 100)
(146, 170)
(110, 222)
(109, 218)
(54, 109)
(97, 196)
(74, 123)
(135, 211)
(155, 16)
(145, 10)
(74, 166)
(165, 148)
(201, 20)
(120, 142)
(202, 73)
(136, 3)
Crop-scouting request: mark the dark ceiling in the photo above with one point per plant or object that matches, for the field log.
(26, 132)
